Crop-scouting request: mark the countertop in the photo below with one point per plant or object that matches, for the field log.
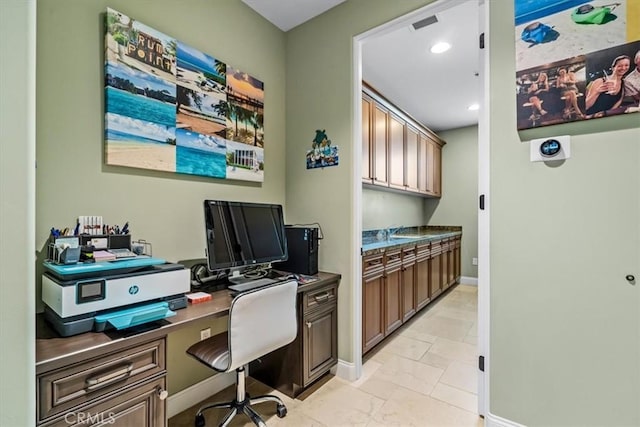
(406, 236)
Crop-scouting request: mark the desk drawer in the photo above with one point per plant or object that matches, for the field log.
(77, 384)
(318, 298)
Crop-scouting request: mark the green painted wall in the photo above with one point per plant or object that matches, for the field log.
(320, 96)
(459, 202)
(17, 213)
(163, 208)
(564, 321)
(382, 209)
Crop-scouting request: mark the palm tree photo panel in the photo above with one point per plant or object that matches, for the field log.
(170, 107)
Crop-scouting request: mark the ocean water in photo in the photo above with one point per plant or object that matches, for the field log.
(140, 107)
(198, 162)
(117, 136)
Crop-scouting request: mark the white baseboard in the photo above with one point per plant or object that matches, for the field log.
(466, 280)
(491, 420)
(345, 370)
(188, 397)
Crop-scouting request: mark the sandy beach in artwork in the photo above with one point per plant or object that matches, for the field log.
(573, 39)
(245, 174)
(142, 155)
(190, 121)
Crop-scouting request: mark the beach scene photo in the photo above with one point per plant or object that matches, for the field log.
(198, 154)
(139, 46)
(134, 143)
(201, 112)
(245, 117)
(198, 71)
(566, 38)
(245, 162)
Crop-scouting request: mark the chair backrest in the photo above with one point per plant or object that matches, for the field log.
(260, 321)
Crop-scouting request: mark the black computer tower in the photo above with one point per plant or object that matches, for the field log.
(302, 244)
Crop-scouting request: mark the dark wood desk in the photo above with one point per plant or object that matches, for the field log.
(116, 371)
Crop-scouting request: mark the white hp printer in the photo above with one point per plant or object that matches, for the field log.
(119, 294)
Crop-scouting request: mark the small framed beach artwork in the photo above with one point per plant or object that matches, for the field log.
(576, 60)
(322, 153)
(172, 108)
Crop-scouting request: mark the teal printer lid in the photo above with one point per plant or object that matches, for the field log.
(134, 316)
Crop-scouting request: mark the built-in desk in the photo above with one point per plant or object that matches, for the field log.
(121, 376)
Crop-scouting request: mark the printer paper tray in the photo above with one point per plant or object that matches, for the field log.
(129, 317)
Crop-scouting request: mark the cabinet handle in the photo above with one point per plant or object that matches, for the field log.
(308, 325)
(162, 393)
(104, 380)
(321, 298)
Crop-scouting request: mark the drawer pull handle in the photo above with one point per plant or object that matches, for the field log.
(372, 263)
(104, 380)
(321, 298)
(162, 393)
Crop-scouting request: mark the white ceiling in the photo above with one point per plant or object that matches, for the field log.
(434, 89)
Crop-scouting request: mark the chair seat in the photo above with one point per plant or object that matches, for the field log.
(213, 352)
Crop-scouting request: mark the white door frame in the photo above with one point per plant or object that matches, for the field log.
(483, 188)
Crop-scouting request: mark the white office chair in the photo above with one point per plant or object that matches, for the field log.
(260, 321)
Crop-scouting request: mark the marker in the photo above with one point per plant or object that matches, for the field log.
(125, 228)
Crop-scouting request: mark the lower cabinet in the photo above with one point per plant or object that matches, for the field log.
(140, 406)
(123, 388)
(396, 284)
(313, 353)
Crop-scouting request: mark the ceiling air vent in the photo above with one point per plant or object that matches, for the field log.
(424, 22)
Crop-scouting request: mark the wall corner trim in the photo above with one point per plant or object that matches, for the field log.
(491, 420)
(466, 280)
(345, 370)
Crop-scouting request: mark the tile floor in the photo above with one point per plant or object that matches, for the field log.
(423, 375)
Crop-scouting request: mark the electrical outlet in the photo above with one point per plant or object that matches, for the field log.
(205, 333)
(474, 261)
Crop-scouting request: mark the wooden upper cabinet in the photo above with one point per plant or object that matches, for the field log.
(436, 168)
(424, 167)
(379, 145)
(367, 121)
(411, 159)
(396, 152)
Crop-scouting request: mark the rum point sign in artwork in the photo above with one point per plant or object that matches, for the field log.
(170, 107)
(576, 60)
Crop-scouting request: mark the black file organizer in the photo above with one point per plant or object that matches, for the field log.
(114, 241)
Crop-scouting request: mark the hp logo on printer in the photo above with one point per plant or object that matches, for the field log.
(133, 290)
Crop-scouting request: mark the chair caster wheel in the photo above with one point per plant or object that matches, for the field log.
(281, 411)
(199, 420)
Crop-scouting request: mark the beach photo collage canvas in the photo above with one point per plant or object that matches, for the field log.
(576, 60)
(172, 108)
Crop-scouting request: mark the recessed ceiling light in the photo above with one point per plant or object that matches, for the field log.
(440, 47)
(474, 107)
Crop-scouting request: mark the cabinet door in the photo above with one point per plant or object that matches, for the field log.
(320, 338)
(141, 406)
(379, 145)
(422, 283)
(408, 291)
(457, 255)
(393, 297)
(435, 283)
(372, 311)
(367, 160)
(436, 169)
(396, 152)
(424, 168)
(411, 160)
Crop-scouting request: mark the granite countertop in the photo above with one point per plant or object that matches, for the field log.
(405, 236)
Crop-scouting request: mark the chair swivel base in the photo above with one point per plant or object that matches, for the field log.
(243, 406)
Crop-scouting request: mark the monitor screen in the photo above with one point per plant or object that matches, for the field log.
(242, 234)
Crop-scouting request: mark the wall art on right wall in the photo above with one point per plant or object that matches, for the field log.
(576, 60)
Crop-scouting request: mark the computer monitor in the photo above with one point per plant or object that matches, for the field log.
(241, 234)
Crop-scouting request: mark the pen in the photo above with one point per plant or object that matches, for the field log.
(75, 231)
(125, 228)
